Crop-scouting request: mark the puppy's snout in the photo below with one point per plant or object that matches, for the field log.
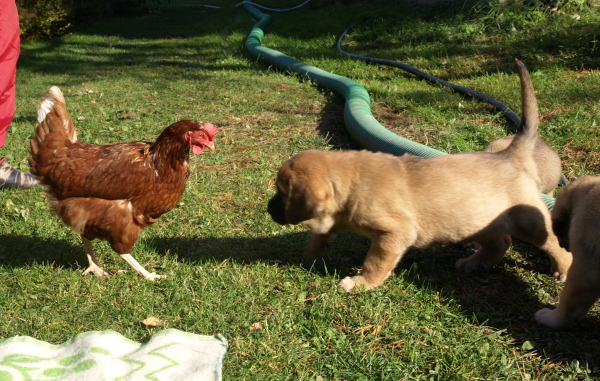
(276, 209)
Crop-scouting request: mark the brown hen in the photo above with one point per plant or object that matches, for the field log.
(111, 191)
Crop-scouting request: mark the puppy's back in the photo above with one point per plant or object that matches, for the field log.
(547, 162)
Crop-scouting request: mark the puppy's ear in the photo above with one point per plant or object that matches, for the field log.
(298, 209)
(561, 229)
(307, 200)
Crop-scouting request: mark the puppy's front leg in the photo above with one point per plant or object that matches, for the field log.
(317, 243)
(383, 256)
(489, 254)
(580, 293)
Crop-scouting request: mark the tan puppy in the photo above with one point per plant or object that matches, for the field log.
(403, 202)
(576, 222)
(547, 162)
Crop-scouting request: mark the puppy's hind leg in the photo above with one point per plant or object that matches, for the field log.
(560, 258)
(537, 230)
(384, 254)
(490, 253)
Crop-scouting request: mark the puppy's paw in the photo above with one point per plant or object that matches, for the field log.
(561, 262)
(469, 265)
(549, 318)
(355, 283)
(559, 272)
(559, 277)
(473, 245)
(463, 265)
(346, 284)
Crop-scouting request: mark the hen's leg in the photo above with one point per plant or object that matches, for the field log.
(140, 270)
(92, 262)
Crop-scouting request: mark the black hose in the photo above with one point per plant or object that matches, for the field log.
(463, 90)
(514, 118)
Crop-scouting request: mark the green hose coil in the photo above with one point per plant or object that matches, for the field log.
(361, 124)
(359, 120)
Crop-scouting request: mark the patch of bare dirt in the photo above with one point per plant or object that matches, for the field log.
(580, 159)
(395, 120)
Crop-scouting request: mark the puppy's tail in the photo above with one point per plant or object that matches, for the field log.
(525, 137)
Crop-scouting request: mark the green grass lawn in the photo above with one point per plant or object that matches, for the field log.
(231, 269)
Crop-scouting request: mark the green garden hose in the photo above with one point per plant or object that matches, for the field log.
(359, 120)
(361, 124)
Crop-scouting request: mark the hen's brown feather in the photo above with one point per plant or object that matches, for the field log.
(109, 191)
(111, 220)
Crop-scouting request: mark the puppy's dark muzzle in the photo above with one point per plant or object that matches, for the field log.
(276, 209)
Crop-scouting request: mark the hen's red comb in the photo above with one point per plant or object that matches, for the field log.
(210, 129)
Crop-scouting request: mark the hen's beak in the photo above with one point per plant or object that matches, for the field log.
(211, 146)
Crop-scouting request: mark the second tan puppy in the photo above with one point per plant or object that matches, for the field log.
(547, 162)
(576, 222)
(403, 202)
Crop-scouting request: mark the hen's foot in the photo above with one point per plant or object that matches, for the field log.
(140, 269)
(96, 270)
(13, 178)
(154, 276)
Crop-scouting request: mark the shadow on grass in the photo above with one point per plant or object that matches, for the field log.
(104, 59)
(332, 127)
(22, 251)
(503, 298)
(171, 34)
(496, 298)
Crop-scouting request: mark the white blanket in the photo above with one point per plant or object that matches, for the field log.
(106, 355)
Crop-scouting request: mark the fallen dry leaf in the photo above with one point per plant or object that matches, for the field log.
(257, 325)
(152, 322)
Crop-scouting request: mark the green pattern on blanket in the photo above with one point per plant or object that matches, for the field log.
(67, 365)
(99, 355)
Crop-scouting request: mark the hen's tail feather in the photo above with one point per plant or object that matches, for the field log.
(54, 131)
(48, 100)
(53, 115)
